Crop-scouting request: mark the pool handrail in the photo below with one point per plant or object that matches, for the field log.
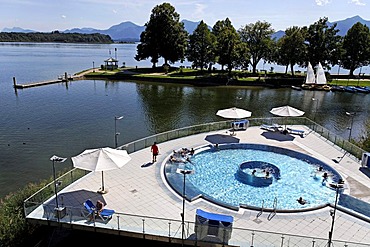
(47, 192)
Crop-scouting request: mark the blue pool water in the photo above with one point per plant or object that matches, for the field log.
(215, 177)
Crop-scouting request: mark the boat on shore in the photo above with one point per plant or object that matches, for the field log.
(310, 78)
(336, 88)
(362, 89)
(318, 81)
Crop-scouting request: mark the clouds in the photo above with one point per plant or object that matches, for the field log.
(326, 2)
(199, 10)
(322, 2)
(357, 2)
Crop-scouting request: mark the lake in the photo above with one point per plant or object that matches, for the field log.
(65, 119)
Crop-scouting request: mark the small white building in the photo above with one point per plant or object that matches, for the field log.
(111, 63)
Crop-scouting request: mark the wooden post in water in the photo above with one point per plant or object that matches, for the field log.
(65, 76)
(14, 82)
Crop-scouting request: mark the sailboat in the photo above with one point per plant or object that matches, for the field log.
(320, 75)
(310, 78)
(320, 83)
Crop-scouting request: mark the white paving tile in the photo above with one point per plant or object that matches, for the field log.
(139, 188)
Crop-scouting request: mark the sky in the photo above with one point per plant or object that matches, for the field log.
(51, 15)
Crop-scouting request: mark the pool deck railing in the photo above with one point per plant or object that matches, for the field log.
(155, 214)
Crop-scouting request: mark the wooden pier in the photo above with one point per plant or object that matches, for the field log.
(64, 78)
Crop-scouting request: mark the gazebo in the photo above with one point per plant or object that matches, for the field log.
(111, 63)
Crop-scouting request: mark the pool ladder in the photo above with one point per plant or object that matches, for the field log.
(259, 214)
(273, 212)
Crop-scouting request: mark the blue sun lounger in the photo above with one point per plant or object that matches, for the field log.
(302, 133)
(105, 215)
(272, 128)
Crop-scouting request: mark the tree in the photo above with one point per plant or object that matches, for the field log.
(164, 36)
(227, 44)
(258, 39)
(201, 46)
(323, 43)
(291, 48)
(356, 45)
(147, 48)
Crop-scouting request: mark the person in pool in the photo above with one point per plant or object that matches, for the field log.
(301, 201)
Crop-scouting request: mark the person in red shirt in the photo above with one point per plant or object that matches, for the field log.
(155, 151)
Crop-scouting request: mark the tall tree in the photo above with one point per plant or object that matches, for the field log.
(258, 39)
(164, 36)
(201, 46)
(291, 48)
(356, 45)
(323, 43)
(227, 44)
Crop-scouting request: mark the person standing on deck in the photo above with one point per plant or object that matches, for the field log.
(155, 151)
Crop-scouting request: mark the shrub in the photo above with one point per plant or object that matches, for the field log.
(14, 229)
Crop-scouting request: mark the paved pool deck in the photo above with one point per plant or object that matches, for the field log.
(139, 188)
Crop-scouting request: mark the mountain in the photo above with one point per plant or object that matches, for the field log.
(343, 26)
(277, 35)
(190, 26)
(128, 31)
(125, 31)
(17, 30)
(346, 24)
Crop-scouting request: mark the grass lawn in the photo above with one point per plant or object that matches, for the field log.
(190, 74)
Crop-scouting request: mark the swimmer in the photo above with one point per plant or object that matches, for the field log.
(301, 201)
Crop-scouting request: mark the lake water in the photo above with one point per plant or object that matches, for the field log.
(64, 120)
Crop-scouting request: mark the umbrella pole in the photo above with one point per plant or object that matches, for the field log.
(102, 191)
(233, 124)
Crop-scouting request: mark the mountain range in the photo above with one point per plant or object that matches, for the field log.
(130, 32)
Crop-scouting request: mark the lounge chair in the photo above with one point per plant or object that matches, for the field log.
(272, 128)
(302, 133)
(105, 215)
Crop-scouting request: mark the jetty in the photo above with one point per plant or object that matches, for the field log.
(62, 78)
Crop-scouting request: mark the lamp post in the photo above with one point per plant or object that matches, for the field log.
(352, 115)
(115, 130)
(54, 159)
(93, 66)
(350, 62)
(317, 103)
(332, 214)
(184, 172)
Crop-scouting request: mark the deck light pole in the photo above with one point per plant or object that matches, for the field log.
(332, 214)
(54, 159)
(184, 172)
(352, 115)
(317, 104)
(115, 130)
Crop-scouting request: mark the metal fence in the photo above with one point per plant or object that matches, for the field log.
(171, 228)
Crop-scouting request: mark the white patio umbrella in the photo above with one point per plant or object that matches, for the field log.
(101, 159)
(233, 113)
(286, 111)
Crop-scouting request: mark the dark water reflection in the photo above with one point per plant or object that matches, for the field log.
(61, 120)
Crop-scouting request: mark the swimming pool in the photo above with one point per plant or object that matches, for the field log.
(216, 177)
